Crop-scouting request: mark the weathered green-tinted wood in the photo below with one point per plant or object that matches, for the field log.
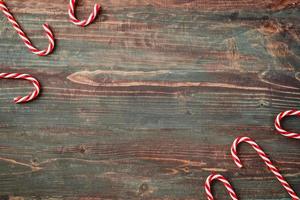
(145, 102)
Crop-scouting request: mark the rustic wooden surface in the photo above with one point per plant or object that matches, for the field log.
(145, 103)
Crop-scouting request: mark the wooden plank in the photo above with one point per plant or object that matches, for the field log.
(145, 102)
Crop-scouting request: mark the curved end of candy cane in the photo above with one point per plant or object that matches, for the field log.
(32, 95)
(226, 183)
(83, 23)
(280, 129)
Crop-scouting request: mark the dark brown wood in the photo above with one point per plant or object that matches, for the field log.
(145, 102)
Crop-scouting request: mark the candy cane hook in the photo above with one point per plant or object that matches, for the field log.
(266, 160)
(278, 127)
(23, 35)
(222, 179)
(31, 95)
(85, 22)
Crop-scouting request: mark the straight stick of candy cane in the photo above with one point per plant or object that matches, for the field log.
(84, 22)
(222, 179)
(32, 95)
(266, 160)
(278, 127)
(23, 35)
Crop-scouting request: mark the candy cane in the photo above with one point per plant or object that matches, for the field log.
(27, 77)
(85, 22)
(24, 37)
(278, 127)
(267, 161)
(220, 178)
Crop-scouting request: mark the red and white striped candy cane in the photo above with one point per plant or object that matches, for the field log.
(267, 161)
(222, 179)
(278, 127)
(85, 22)
(24, 37)
(32, 95)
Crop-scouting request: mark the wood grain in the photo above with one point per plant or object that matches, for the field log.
(145, 102)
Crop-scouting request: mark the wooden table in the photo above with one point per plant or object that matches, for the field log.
(145, 102)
